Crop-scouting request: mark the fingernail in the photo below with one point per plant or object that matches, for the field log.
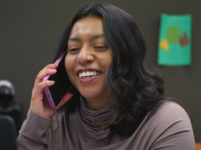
(51, 82)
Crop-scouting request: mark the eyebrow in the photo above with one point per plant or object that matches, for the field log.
(92, 38)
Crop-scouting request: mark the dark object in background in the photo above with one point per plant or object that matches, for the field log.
(7, 104)
(7, 133)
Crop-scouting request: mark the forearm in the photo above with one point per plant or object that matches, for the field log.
(34, 133)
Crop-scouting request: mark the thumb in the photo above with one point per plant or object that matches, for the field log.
(66, 98)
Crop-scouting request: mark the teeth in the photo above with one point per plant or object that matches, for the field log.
(88, 73)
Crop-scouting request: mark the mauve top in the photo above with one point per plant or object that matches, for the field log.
(168, 129)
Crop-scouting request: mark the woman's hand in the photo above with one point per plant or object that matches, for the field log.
(39, 103)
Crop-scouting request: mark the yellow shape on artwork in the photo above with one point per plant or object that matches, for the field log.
(164, 45)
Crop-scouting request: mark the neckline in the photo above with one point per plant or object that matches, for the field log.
(94, 118)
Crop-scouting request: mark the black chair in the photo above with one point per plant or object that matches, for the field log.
(7, 133)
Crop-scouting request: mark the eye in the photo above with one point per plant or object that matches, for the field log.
(101, 47)
(74, 50)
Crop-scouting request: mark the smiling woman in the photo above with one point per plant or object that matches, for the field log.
(88, 61)
(115, 102)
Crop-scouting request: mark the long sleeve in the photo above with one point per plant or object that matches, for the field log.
(33, 134)
(169, 128)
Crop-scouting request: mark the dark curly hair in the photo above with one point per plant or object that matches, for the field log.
(136, 89)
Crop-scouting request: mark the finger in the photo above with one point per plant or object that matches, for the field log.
(39, 88)
(66, 99)
(50, 66)
(42, 74)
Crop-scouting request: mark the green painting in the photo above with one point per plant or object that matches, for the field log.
(174, 47)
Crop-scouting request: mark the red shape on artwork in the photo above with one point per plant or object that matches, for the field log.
(183, 40)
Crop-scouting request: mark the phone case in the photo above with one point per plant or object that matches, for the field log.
(47, 90)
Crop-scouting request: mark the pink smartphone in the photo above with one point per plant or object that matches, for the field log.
(62, 85)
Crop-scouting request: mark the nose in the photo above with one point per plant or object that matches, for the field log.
(85, 56)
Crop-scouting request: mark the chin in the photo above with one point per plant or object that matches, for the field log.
(89, 94)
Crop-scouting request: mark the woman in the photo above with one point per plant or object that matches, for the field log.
(118, 105)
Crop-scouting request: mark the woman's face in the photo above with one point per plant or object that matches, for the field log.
(88, 60)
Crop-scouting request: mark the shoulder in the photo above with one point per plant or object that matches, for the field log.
(170, 110)
(168, 114)
(169, 125)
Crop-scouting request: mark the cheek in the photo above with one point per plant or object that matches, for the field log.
(108, 61)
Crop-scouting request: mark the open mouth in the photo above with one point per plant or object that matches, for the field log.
(88, 74)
